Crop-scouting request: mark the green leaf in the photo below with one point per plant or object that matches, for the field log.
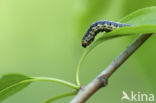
(143, 21)
(126, 31)
(143, 16)
(12, 83)
(8, 84)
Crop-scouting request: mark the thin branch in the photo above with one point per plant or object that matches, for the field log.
(102, 79)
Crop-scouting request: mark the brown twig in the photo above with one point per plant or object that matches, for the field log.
(102, 79)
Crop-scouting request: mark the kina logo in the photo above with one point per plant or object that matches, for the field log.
(137, 97)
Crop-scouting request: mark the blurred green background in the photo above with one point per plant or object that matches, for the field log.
(43, 38)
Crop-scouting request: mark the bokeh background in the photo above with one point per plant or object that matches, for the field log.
(43, 38)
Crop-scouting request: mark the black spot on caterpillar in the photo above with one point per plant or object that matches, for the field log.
(100, 26)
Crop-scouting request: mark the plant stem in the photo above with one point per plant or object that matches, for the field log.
(60, 96)
(78, 67)
(69, 84)
(102, 79)
(33, 79)
(86, 52)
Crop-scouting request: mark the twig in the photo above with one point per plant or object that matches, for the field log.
(102, 79)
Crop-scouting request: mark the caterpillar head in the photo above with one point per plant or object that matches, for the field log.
(89, 36)
(85, 43)
(87, 40)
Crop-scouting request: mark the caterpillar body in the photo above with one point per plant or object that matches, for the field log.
(100, 26)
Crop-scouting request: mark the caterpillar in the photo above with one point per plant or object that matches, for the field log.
(100, 26)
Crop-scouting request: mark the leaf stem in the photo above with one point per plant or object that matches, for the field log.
(60, 96)
(86, 52)
(49, 79)
(69, 84)
(78, 66)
